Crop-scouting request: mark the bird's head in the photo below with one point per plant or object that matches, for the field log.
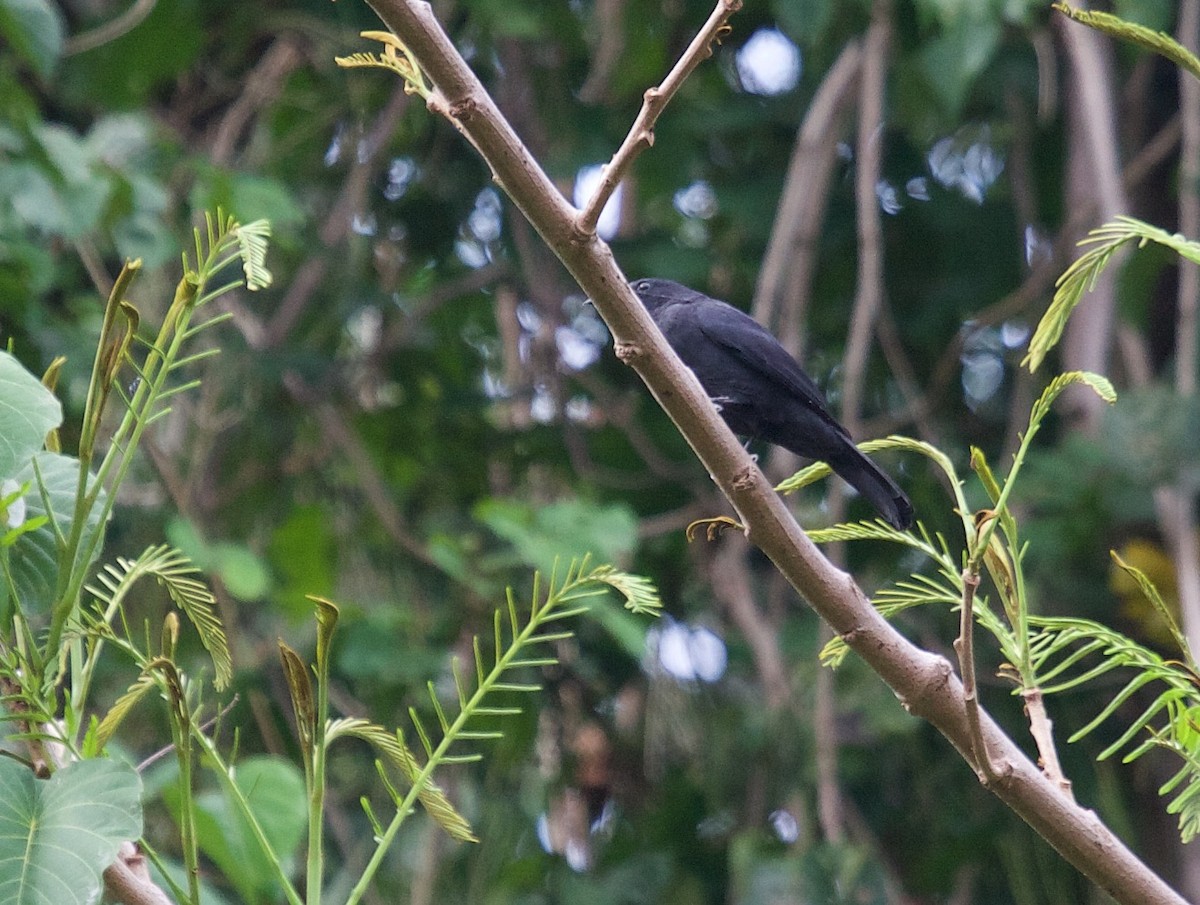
(655, 293)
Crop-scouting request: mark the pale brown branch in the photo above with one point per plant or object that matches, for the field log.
(336, 226)
(731, 584)
(127, 880)
(41, 760)
(111, 30)
(868, 301)
(1093, 177)
(262, 85)
(93, 263)
(925, 683)
(641, 134)
(785, 277)
(869, 154)
(609, 30)
(831, 804)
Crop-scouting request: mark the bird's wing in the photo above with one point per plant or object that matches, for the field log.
(753, 345)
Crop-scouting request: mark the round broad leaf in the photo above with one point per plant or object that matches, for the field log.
(58, 835)
(28, 411)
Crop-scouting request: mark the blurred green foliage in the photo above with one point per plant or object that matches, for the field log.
(421, 408)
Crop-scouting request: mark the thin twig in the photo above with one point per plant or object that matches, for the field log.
(262, 85)
(109, 31)
(204, 727)
(867, 302)
(830, 801)
(1042, 730)
(337, 224)
(608, 26)
(641, 134)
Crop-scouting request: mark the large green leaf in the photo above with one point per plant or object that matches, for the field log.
(28, 411)
(58, 835)
(35, 555)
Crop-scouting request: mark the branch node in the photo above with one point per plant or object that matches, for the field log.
(935, 674)
(628, 352)
(580, 236)
(464, 109)
(850, 636)
(746, 477)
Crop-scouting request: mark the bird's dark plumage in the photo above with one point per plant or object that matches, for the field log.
(762, 391)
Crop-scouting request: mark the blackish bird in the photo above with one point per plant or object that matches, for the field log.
(761, 391)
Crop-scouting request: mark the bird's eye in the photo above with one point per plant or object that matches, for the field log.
(643, 286)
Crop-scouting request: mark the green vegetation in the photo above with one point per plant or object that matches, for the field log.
(413, 412)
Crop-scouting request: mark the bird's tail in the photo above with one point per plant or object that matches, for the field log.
(873, 483)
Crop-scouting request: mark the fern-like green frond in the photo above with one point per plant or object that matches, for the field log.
(1187, 803)
(144, 684)
(917, 590)
(1154, 41)
(896, 442)
(1102, 386)
(514, 633)
(22, 704)
(851, 531)
(367, 60)
(641, 596)
(1160, 606)
(395, 57)
(392, 747)
(252, 243)
(1059, 637)
(813, 473)
(1069, 653)
(1081, 276)
(175, 572)
(944, 588)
